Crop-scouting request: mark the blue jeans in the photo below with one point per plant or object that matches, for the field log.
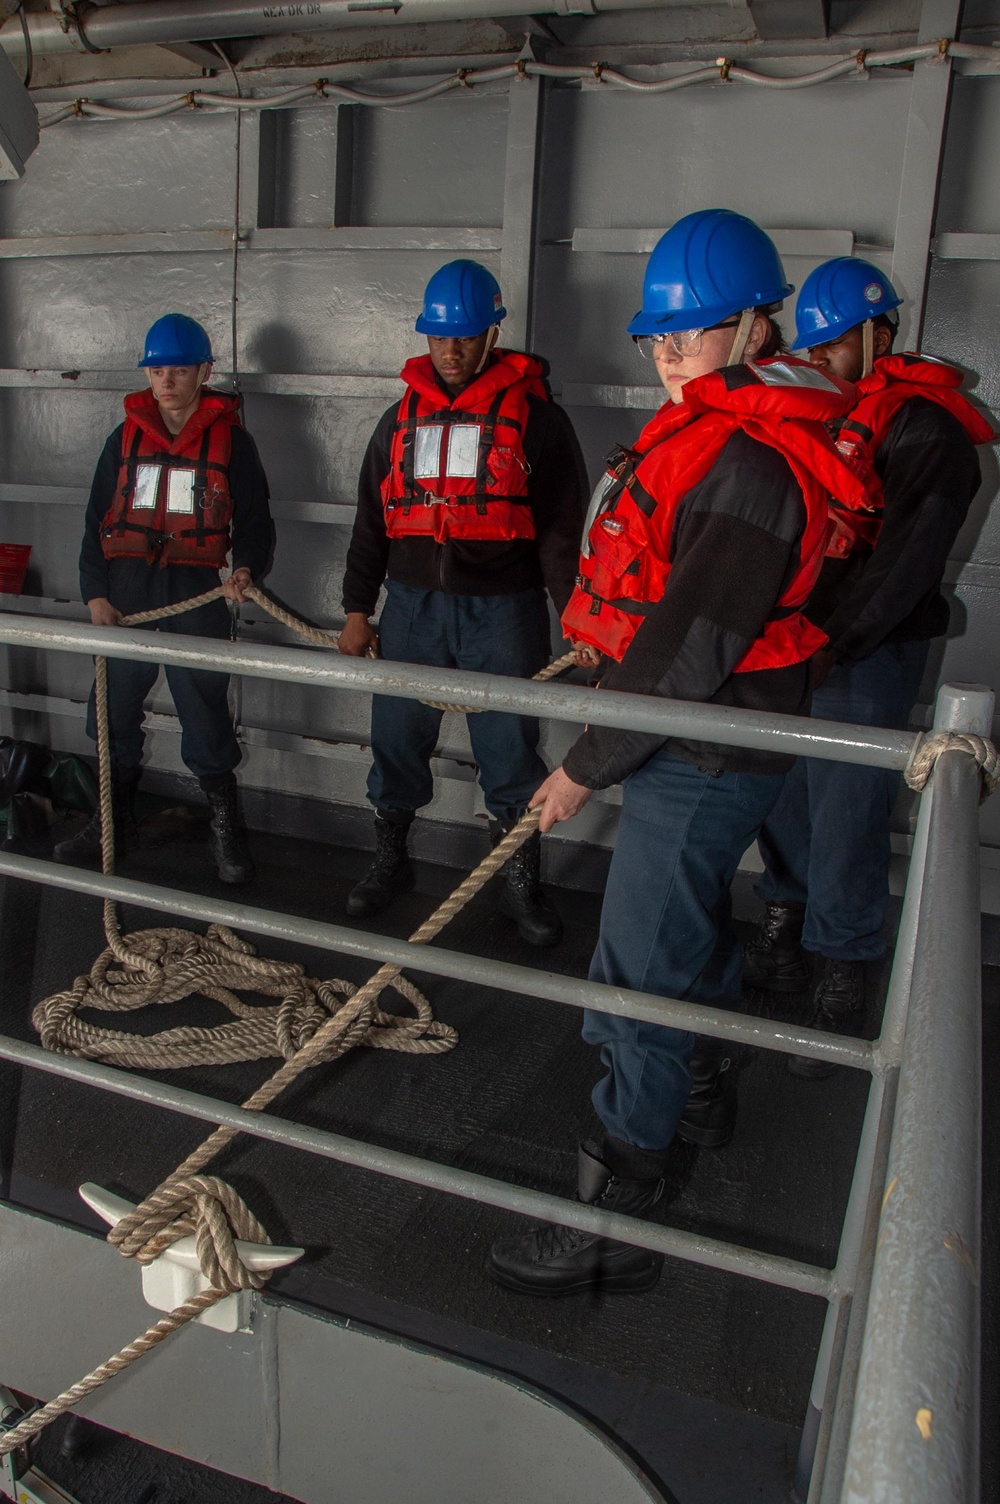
(494, 634)
(208, 741)
(666, 929)
(826, 844)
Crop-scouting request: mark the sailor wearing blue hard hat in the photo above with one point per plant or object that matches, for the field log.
(470, 502)
(706, 537)
(826, 844)
(178, 487)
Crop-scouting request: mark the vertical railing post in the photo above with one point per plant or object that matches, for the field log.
(914, 1431)
(834, 1357)
(824, 1437)
(958, 707)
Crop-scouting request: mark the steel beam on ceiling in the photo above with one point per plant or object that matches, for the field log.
(520, 196)
(918, 187)
(964, 246)
(286, 238)
(330, 513)
(820, 244)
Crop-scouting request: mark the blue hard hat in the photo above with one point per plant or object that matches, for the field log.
(460, 300)
(708, 266)
(838, 296)
(176, 340)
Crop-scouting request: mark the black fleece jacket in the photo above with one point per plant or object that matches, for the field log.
(252, 527)
(930, 473)
(734, 549)
(557, 495)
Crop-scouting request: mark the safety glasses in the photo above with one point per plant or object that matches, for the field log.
(682, 341)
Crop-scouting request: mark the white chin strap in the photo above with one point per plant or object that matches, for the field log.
(741, 337)
(488, 348)
(867, 348)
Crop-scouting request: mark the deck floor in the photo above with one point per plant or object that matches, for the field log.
(706, 1378)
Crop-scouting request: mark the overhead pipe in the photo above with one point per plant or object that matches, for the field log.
(92, 28)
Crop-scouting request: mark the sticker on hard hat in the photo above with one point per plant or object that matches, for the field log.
(497, 301)
(874, 293)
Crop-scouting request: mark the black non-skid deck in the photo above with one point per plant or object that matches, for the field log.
(706, 1378)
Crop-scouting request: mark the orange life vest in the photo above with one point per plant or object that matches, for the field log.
(625, 564)
(458, 468)
(895, 380)
(172, 503)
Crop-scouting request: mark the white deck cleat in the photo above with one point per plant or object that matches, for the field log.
(176, 1275)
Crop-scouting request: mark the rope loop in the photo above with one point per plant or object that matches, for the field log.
(205, 1206)
(929, 746)
(160, 966)
(314, 1021)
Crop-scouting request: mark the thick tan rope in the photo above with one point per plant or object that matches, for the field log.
(164, 965)
(548, 672)
(216, 965)
(929, 746)
(310, 1026)
(328, 639)
(217, 1215)
(124, 1358)
(353, 1021)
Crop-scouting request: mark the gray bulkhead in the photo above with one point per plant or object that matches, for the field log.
(344, 213)
(118, 221)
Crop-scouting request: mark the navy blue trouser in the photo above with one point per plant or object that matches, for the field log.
(498, 634)
(826, 843)
(666, 929)
(201, 697)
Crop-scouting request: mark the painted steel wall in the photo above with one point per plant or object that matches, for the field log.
(407, 188)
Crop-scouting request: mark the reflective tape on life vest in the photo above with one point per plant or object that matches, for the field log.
(458, 469)
(172, 503)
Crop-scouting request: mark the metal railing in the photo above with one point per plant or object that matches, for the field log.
(894, 1409)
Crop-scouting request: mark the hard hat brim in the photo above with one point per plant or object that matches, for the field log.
(175, 359)
(459, 329)
(836, 328)
(699, 318)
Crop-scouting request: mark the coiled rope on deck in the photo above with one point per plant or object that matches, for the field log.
(315, 1022)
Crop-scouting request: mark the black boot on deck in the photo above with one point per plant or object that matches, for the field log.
(227, 842)
(522, 897)
(838, 1008)
(555, 1260)
(84, 849)
(710, 1115)
(774, 959)
(390, 874)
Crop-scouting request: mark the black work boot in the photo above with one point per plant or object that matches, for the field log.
(838, 1008)
(710, 1115)
(84, 849)
(227, 842)
(774, 959)
(389, 874)
(522, 897)
(555, 1260)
